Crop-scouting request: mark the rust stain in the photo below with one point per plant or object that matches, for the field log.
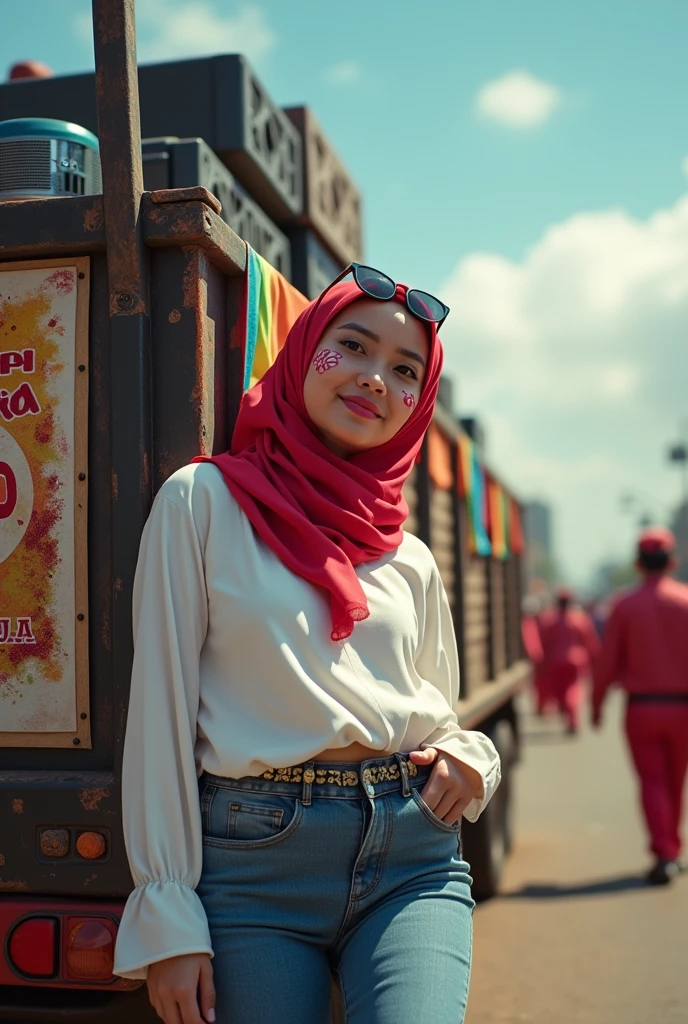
(138, 306)
(184, 195)
(18, 806)
(175, 316)
(165, 464)
(93, 217)
(117, 584)
(90, 798)
(54, 842)
(13, 885)
(109, 29)
(114, 486)
(145, 470)
(105, 631)
(157, 214)
(190, 285)
(2, 861)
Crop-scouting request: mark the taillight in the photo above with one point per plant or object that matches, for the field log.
(91, 845)
(32, 947)
(89, 948)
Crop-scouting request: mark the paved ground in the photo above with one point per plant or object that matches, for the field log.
(576, 935)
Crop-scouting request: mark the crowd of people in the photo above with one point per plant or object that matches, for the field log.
(641, 645)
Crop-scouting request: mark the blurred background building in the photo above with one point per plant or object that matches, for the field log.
(540, 559)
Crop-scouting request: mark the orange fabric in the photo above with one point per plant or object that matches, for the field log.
(496, 511)
(516, 540)
(440, 459)
(286, 302)
(276, 305)
(464, 465)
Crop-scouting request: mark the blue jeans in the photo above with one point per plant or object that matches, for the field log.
(361, 881)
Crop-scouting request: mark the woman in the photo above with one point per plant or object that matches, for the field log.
(294, 774)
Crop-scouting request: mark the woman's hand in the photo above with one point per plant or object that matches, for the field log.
(178, 984)
(451, 786)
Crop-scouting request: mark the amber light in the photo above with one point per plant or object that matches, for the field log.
(91, 845)
(89, 949)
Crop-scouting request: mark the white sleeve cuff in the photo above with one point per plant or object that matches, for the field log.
(475, 750)
(160, 920)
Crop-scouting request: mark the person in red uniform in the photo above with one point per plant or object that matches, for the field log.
(569, 648)
(530, 636)
(645, 651)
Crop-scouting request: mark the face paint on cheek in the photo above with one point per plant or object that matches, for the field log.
(326, 360)
(409, 400)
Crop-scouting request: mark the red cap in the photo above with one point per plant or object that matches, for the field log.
(656, 540)
(30, 69)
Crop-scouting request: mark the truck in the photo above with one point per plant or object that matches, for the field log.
(122, 357)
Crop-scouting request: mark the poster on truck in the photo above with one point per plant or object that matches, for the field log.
(43, 503)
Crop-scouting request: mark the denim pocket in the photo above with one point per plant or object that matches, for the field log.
(432, 817)
(234, 817)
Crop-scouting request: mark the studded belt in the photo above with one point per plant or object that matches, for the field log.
(312, 775)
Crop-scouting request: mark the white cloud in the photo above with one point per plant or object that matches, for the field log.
(518, 100)
(343, 73)
(576, 358)
(168, 29)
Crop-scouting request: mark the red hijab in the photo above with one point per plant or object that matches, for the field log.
(320, 513)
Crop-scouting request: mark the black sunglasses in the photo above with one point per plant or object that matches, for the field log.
(378, 286)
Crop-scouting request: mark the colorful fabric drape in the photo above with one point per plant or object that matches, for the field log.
(517, 540)
(472, 488)
(465, 463)
(439, 459)
(271, 307)
(498, 512)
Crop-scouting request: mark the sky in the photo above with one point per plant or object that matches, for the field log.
(527, 162)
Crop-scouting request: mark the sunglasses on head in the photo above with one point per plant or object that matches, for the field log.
(377, 285)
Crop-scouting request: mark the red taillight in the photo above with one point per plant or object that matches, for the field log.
(89, 948)
(32, 948)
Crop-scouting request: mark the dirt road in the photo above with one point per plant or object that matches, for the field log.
(577, 936)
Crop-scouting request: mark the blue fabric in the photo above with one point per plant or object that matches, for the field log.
(482, 541)
(254, 281)
(361, 881)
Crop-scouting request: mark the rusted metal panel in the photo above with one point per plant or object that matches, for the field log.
(174, 164)
(498, 616)
(193, 223)
(442, 531)
(55, 226)
(332, 202)
(183, 195)
(513, 608)
(476, 629)
(183, 361)
(488, 700)
(36, 854)
(219, 99)
(119, 133)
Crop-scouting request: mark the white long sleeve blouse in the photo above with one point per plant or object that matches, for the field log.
(235, 672)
